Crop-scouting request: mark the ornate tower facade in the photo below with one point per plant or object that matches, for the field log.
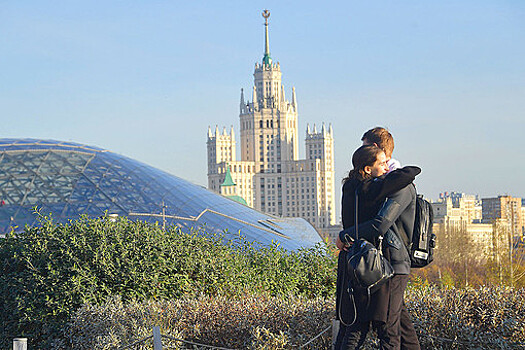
(280, 183)
(320, 146)
(269, 121)
(221, 148)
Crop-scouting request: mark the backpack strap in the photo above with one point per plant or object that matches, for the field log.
(404, 237)
(402, 232)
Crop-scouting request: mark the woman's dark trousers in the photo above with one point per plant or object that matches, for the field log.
(396, 333)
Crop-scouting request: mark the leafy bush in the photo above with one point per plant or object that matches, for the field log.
(48, 272)
(112, 281)
(488, 318)
(249, 322)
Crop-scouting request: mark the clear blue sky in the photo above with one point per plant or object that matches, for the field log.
(146, 78)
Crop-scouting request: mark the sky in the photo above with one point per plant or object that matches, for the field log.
(146, 78)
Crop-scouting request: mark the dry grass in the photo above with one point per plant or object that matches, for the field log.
(488, 318)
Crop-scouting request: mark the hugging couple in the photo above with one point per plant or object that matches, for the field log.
(386, 203)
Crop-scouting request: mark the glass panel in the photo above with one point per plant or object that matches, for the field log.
(70, 179)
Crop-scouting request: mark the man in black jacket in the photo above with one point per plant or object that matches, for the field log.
(397, 215)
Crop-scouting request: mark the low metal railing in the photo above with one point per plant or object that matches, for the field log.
(157, 341)
(21, 343)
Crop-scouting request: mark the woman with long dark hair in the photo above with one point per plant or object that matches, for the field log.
(356, 312)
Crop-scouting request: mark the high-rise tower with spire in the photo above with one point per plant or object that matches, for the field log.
(270, 175)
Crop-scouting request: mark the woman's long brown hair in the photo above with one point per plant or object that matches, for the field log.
(363, 156)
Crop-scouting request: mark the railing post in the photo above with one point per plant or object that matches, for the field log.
(20, 344)
(157, 341)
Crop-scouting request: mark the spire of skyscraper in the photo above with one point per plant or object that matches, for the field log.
(266, 59)
(294, 99)
(254, 98)
(242, 103)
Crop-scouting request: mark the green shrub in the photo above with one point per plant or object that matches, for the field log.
(248, 322)
(48, 272)
(485, 318)
(96, 282)
(482, 318)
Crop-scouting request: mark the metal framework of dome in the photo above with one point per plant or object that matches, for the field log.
(68, 179)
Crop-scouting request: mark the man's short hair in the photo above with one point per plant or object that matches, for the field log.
(382, 138)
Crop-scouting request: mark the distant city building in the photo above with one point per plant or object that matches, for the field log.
(523, 216)
(455, 212)
(489, 222)
(457, 207)
(229, 188)
(269, 175)
(506, 208)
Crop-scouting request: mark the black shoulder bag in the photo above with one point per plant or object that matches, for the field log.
(366, 265)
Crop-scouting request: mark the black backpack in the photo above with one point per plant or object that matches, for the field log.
(421, 249)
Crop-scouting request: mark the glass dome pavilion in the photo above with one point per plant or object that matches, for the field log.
(69, 179)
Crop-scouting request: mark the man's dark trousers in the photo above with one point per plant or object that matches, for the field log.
(389, 333)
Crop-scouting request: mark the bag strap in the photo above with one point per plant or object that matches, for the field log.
(356, 222)
(380, 237)
(356, 214)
